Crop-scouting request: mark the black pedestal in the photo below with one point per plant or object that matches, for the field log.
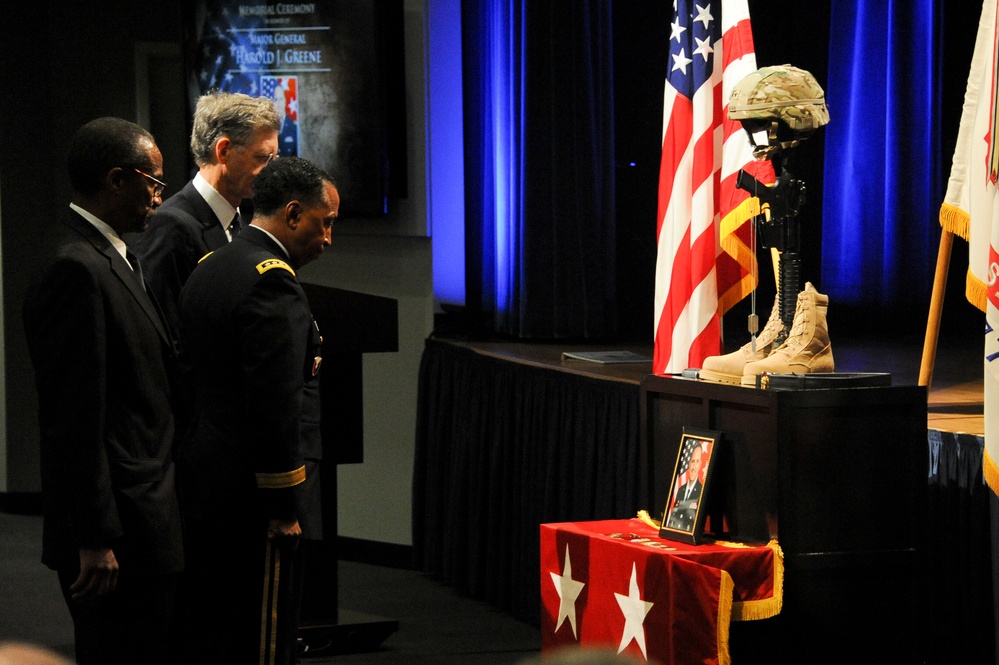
(838, 476)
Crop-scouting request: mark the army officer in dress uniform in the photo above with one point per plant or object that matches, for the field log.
(248, 466)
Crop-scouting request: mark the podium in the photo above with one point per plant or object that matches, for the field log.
(351, 324)
(838, 477)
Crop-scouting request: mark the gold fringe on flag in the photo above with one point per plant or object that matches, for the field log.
(725, 617)
(991, 472)
(955, 220)
(750, 610)
(976, 291)
(647, 519)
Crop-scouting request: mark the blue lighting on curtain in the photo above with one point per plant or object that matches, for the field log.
(504, 149)
(540, 223)
(882, 182)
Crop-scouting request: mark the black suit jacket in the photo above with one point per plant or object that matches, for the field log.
(253, 348)
(102, 362)
(183, 230)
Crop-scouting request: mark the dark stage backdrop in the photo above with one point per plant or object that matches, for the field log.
(784, 31)
(539, 191)
(888, 151)
(335, 70)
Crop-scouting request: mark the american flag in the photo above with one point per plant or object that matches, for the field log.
(685, 453)
(290, 86)
(705, 262)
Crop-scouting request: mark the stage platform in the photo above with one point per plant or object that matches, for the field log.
(511, 435)
(955, 399)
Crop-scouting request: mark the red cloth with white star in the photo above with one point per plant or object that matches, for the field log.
(615, 584)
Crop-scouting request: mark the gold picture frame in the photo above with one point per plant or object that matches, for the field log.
(683, 518)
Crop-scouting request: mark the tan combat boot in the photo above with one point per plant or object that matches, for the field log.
(807, 349)
(729, 368)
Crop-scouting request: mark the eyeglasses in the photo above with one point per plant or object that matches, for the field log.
(262, 158)
(160, 185)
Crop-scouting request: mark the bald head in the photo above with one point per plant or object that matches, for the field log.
(21, 653)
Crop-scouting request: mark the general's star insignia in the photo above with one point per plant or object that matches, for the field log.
(635, 610)
(568, 591)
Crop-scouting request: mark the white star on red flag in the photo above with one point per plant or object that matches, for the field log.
(568, 591)
(635, 610)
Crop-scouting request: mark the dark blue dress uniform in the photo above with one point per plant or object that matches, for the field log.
(684, 512)
(252, 452)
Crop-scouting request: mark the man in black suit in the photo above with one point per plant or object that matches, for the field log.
(103, 362)
(250, 461)
(233, 137)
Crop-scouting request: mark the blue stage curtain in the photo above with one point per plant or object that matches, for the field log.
(883, 182)
(539, 194)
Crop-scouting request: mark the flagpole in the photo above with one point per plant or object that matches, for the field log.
(936, 308)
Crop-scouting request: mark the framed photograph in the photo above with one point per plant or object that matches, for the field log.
(683, 518)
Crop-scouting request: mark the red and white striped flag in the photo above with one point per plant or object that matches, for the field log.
(705, 262)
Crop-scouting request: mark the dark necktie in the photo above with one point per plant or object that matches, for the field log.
(136, 268)
(234, 227)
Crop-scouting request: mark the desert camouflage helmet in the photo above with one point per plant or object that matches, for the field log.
(783, 93)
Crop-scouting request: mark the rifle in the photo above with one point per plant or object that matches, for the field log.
(781, 231)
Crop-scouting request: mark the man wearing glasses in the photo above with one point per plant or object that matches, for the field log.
(234, 136)
(103, 360)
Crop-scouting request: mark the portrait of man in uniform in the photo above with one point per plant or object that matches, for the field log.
(683, 516)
